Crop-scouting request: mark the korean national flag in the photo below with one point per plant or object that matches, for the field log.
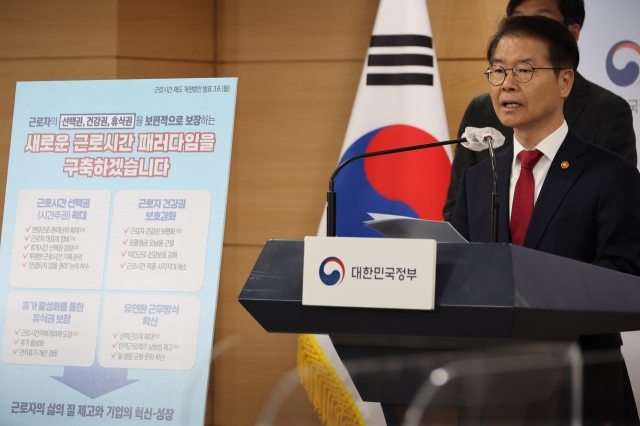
(399, 103)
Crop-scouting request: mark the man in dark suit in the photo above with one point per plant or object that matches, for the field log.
(593, 113)
(559, 194)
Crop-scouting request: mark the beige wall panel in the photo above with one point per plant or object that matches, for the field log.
(69, 28)
(244, 375)
(12, 71)
(166, 29)
(254, 30)
(150, 68)
(290, 123)
(276, 30)
(461, 28)
(461, 82)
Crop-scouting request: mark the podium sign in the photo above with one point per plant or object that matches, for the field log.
(111, 247)
(369, 272)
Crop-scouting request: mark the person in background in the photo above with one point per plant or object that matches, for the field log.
(594, 113)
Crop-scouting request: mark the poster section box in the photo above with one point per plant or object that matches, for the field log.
(60, 238)
(149, 331)
(159, 240)
(46, 328)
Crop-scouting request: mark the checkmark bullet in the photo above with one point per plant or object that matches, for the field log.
(123, 253)
(122, 265)
(24, 264)
(116, 335)
(27, 229)
(18, 331)
(114, 355)
(14, 352)
(114, 345)
(27, 238)
(24, 256)
(126, 230)
(16, 341)
(124, 242)
(27, 246)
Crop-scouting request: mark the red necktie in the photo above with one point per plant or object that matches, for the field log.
(522, 206)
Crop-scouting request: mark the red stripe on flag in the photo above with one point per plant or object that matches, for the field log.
(417, 178)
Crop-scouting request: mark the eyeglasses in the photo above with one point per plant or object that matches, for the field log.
(522, 72)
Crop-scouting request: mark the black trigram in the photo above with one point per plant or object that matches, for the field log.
(396, 79)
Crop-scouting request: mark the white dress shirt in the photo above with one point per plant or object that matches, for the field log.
(549, 146)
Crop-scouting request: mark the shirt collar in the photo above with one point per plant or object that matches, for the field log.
(549, 146)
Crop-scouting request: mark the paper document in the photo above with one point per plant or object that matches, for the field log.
(392, 226)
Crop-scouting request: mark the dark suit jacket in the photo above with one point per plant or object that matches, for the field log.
(595, 114)
(588, 212)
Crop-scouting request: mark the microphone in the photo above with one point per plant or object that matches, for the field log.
(479, 140)
(331, 195)
(476, 139)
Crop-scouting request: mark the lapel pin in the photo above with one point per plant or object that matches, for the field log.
(564, 164)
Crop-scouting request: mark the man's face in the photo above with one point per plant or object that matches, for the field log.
(535, 105)
(548, 8)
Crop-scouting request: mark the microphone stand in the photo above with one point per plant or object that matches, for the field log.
(495, 197)
(331, 195)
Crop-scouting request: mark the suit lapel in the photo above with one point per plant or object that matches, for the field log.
(555, 187)
(503, 164)
(574, 103)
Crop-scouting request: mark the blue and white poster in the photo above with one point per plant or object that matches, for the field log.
(111, 248)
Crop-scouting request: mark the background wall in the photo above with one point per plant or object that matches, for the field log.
(298, 64)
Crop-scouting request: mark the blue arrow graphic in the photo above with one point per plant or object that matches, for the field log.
(96, 380)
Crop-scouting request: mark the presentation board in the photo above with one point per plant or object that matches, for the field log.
(111, 247)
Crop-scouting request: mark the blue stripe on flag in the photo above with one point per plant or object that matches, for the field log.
(356, 197)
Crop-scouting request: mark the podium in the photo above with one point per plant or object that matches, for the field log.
(490, 298)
